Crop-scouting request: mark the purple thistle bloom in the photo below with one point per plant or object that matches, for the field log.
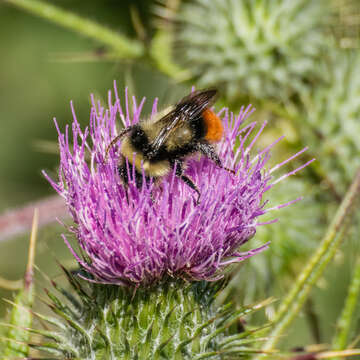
(161, 231)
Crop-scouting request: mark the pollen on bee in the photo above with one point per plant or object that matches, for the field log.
(214, 126)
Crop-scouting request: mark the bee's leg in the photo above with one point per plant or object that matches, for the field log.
(191, 184)
(152, 197)
(179, 173)
(209, 151)
(124, 177)
(127, 175)
(158, 187)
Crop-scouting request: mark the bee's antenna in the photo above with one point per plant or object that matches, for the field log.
(115, 140)
(230, 170)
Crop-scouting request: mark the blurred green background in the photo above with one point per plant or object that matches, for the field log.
(39, 76)
(44, 66)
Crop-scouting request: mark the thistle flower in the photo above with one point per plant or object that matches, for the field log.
(259, 48)
(139, 236)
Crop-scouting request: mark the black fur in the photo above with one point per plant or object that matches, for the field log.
(139, 140)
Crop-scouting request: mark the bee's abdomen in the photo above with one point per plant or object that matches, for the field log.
(214, 126)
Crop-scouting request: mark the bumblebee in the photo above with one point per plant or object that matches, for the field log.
(158, 146)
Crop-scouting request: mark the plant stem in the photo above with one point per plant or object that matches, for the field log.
(28, 278)
(18, 336)
(18, 221)
(341, 338)
(291, 305)
(122, 47)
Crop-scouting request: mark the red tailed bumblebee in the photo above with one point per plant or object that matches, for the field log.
(162, 144)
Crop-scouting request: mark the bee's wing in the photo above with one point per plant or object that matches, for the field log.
(193, 104)
(186, 109)
(170, 122)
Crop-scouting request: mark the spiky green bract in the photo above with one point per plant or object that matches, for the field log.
(20, 318)
(14, 335)
(262, 48)
(331, 119)
(171, 320)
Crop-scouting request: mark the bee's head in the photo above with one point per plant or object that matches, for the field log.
(138, 139)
